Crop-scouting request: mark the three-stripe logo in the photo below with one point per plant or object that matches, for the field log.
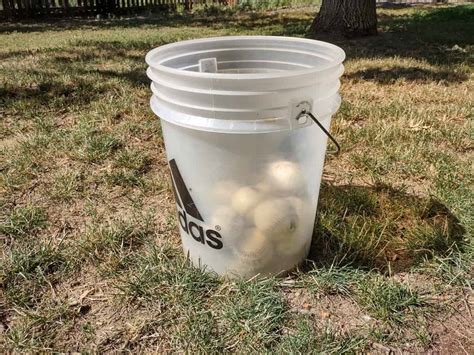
(190, 219)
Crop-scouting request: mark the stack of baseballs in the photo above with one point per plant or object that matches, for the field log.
(265, 219)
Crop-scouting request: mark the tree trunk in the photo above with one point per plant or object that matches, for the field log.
(350, 18)
(7, 8)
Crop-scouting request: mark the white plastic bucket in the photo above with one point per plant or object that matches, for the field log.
(246, 165)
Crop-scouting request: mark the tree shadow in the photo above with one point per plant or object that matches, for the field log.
(69, 77)
(389, 76)
(438, 36)
(381, 228)
(136, 77)
(139, 21)
(50, 92)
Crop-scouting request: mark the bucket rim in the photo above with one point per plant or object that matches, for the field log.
(339, 57)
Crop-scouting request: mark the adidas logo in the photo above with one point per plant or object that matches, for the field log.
(190, 220)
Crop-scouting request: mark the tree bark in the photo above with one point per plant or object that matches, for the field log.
(350, 18)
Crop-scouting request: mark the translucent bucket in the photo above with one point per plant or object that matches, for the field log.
(246, 159)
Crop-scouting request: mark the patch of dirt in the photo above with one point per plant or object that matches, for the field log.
(421, 283)
(454, 332)
(98, 318)
(9, 142)
(339, 312)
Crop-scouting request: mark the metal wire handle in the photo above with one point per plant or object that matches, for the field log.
(305, 112)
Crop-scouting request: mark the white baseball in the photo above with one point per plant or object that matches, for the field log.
(292, 245)
(245, 199)
(276, 218)
(254, 245)
(253, 253)
(301, 207)
(265, 187)
(286, 176)
(296, 242)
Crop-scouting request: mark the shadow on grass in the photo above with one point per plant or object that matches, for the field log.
(231, 20)
(436, 36)
(51, 92)
(74, 76)
(389, 76)
(431, 35)
(404, 35)
(136, 77)
(381, 228)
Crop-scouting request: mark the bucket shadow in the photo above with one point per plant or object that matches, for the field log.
(380, 228)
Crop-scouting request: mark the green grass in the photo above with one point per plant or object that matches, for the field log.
(40, 327)
(28, 274)
(23, 222)
(90, 256)
(67, 184)
(253, 316)
(304, 338)
(387, 300)
(331, 280)
(110, 246)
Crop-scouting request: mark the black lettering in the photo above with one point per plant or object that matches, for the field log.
(192, 227)
(214, 239)
(183, 220)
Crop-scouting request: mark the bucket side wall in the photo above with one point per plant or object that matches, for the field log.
(215, 166)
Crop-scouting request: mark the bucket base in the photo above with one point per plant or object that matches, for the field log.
(249, 273)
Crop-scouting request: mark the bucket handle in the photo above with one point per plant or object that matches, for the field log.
(305, 112)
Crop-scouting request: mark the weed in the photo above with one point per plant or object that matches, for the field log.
(23, 222)
(306, 338)
(67, 184)
(154, 280)
(135, 160)
(332, 280)
(386, 299)
(39, 329)
(90, 144)
(253, 315)
(29, 274)
(99, 146)
(124, 178)
(111, 245)
(454, 268)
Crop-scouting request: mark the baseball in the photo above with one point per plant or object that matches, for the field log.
(301, 207)
(253, 253)
(295, 243)
(245, 199)
(286, 176)
(292, 245)
(254, 245)
(276, 218)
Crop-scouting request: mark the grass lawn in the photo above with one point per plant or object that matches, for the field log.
(90, 254)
